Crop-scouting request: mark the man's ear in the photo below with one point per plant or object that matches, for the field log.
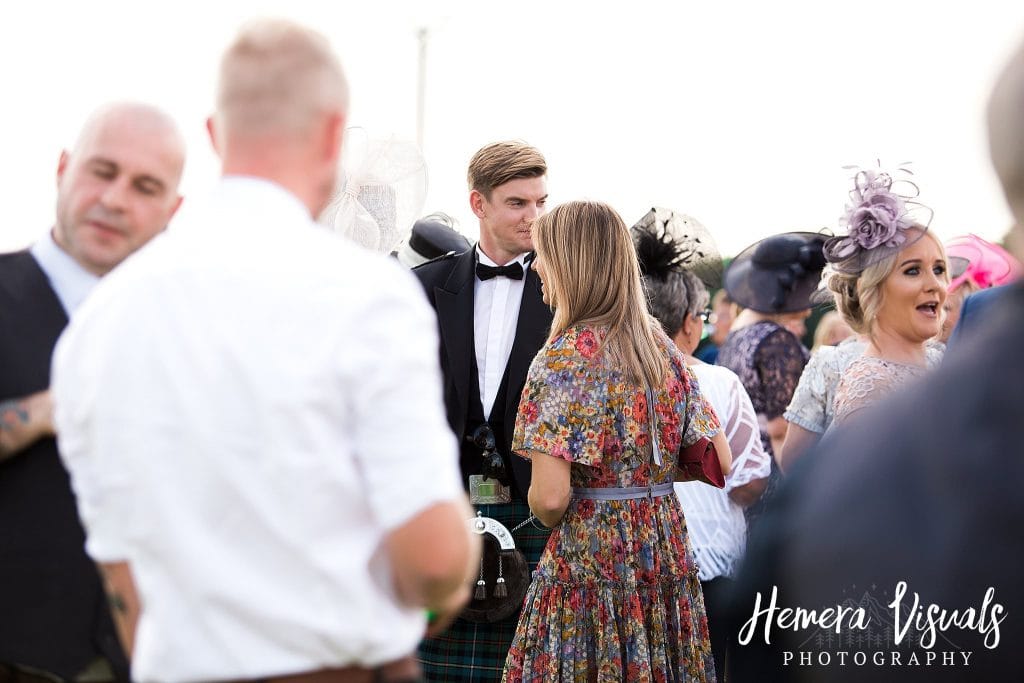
(211, 131)
(334, 134)
(476, 203)
(62, 164)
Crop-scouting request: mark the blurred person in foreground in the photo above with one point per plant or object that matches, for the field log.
(607, 406)
(888, 276)
(975, 265)
(116, 189)
(672, 249)
(773, 279)
(260, 456)
(919, 496)
(492, 320)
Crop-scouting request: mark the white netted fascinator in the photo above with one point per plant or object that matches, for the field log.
(882, 207)
(382, 187)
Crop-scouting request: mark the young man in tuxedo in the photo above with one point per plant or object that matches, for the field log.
(493, 322)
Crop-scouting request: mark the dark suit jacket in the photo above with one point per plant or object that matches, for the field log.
(973, 315)
(924, 487)
(449, 284)
(53, 612)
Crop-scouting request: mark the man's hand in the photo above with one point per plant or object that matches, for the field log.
(23, 421)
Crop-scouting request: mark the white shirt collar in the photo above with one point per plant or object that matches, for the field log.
(483, 258)
(69, 280)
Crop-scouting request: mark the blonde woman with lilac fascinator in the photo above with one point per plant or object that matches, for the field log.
(889, 279)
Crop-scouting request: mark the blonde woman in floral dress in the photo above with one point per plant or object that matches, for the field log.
(616, 596)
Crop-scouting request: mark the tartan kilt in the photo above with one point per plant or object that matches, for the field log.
(475, 653)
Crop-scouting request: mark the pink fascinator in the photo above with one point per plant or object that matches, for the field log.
(882, 207)
(983, 263)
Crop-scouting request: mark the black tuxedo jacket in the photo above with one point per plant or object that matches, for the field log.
(449, 284)
(53, 612)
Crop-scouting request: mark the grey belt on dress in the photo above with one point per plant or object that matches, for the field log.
(624, 492)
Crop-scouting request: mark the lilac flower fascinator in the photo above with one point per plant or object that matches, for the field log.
(881, 209)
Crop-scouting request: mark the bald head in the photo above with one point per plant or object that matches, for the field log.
(118, 186)
(1006, 133)
(277, 77)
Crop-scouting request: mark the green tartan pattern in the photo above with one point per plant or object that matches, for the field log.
(475, 653)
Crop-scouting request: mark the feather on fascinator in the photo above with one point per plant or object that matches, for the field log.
(383, 184)
(882, 207)
(667, 241)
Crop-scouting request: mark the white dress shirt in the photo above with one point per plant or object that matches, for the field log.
(717, 527)
(247, 406)
(69, 280)
(496, 305)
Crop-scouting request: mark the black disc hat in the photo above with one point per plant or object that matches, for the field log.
(777, 274)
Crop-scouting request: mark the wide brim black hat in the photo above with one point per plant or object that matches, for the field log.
(777, 274)
(429, 239)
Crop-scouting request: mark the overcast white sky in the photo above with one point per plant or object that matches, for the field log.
(738, 113)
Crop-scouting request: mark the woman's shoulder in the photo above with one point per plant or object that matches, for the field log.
(582, 340)
(714, 374)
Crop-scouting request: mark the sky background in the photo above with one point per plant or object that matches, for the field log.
(741, 114)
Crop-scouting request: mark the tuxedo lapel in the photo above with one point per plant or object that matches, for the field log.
(531, 332)
(454, 303)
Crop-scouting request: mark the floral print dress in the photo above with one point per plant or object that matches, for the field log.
(616, 595)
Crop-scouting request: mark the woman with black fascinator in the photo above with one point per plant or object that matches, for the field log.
(678, 261)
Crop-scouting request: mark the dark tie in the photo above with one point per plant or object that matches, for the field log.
(512, 270)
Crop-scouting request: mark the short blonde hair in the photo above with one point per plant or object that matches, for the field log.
(858, 297)
(278, 76)
(500, 162)
(593, 278)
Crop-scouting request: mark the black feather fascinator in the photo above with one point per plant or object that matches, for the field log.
(668, 241)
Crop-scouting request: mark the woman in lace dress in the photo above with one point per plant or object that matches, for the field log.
(670, 246)
(607, 405)
(773, 280)
(889, 282)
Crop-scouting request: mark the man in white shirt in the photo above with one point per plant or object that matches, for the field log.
(116, 188)
(261, 460)
(493, 320)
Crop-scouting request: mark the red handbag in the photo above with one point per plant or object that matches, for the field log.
(699, 462)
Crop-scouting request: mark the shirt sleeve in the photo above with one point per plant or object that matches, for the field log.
(562, 409)
(101, 396)
(701, 420)
(404, 449)
(750, 461)
(808, 407)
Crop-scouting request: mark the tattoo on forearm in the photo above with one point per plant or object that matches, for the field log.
(117, 603)
(12, 414)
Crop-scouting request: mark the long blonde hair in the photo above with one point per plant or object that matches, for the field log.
(593, 278)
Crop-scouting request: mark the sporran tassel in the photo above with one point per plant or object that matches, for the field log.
(480, 593)
(500, 589)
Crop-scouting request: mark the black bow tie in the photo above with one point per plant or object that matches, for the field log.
(512, 270)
